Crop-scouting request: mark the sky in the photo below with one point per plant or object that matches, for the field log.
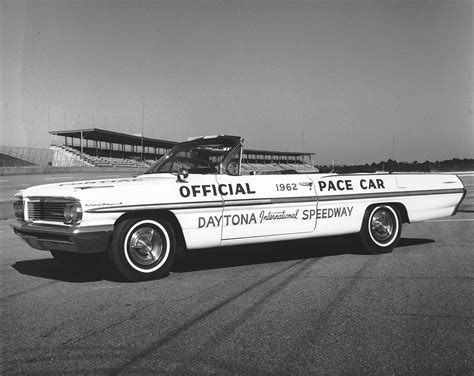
(352, 81)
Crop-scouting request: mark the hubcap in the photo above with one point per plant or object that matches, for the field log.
(146, 246)
(382, 225)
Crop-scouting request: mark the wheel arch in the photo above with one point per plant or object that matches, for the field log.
(164, 214)
(399, 206)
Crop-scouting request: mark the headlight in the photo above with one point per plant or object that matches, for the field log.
(73, 212)
(18, 208)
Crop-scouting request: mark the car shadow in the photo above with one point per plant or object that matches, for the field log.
(48, 268)
(212, 258)
(217, 258)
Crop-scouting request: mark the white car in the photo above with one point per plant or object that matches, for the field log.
(198, 196)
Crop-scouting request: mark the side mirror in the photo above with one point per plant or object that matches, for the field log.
(183, 175)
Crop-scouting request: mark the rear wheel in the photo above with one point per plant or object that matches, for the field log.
(381, 229)
(143, 248)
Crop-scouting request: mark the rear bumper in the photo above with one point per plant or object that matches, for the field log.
(92, 239)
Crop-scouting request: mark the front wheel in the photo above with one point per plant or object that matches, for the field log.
(143, 248)
(381, 229)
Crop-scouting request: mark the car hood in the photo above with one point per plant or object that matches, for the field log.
(83, 189)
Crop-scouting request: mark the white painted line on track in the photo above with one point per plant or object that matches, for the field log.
(451, 220)
(108, 176)
(59, 177)
(19, 185)
(3, 181)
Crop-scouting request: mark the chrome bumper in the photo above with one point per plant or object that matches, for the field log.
(92, 239)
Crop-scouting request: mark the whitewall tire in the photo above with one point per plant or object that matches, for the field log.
(381, 229)
(143, 248)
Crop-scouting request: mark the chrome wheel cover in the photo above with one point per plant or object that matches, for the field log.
(382, 226)
(145, 246)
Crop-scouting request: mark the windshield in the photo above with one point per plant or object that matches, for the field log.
(201, 156)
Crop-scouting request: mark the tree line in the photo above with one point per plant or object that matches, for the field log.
(451, 165)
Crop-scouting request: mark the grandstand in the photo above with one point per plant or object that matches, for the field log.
(267, 161)
(100, 148)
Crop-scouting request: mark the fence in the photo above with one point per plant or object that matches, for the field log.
(36, 156)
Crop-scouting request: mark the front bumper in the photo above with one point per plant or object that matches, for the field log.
(92, 239)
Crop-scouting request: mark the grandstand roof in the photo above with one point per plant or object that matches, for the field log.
(277, 152)
(103, 135)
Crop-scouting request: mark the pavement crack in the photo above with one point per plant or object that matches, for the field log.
(11, 296)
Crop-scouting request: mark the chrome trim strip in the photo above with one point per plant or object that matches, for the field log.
(269, 201)
(295, 199)
(250, 202)
(53, 199)
(176, 205)
(363, 196)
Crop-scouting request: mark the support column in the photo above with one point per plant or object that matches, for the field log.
(82, 150)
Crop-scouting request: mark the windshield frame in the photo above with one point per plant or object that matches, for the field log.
(234, 143)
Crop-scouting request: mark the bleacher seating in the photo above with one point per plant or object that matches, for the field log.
(67, 156)
(63, 156)
(118, 158)
(123, 162)
(262, 168)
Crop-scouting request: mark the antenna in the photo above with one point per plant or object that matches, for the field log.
(143, 122)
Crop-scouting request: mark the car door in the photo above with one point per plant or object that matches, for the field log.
(199, 210)
(267, 205)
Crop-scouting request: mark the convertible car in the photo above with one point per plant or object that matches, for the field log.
(199, 195)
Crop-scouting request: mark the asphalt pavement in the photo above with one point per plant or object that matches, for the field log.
(313, 307)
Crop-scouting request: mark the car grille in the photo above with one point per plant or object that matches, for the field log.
(43, 210)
